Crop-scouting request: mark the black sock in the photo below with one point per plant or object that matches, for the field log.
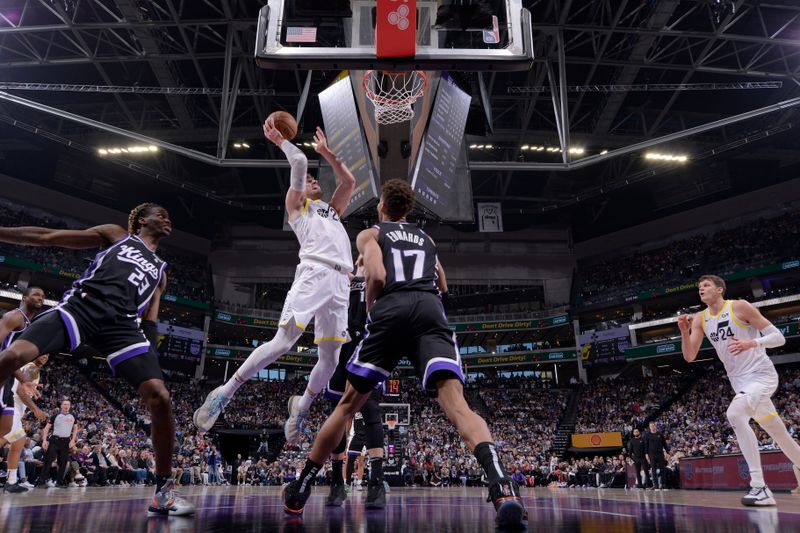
(160, 481)
(486, 454)
(336, 472)
(376, 469)
(309, 472)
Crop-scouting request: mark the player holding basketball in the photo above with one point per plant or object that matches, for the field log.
(100, 310)
(367, 424)
(740, 334)
(320, 288)
(406, 317)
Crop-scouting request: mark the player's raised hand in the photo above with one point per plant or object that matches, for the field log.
(737, 346)
(321, 142)
(272, 133)
(684, 324)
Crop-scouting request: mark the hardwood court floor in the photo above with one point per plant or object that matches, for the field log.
(415, 510)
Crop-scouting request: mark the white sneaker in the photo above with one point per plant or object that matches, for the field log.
(166, 502)
(797, 475)
(205, 417)
(50, 483)
(26, 485)
(72, 484)
(758, 497)
(295, 424)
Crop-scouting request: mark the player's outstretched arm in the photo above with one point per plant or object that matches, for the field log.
(296, 195)
(347, 182)
(65, 238)
(771, 337)
(374, 271)
(691, 335)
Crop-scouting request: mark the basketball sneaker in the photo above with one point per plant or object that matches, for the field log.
(167, 503)
(758, 497)
(376, 495)
(337, 496)
(504, 494)
(295, 496)
(796, 475)
(205, 417)
(14, 488)
(26, 485)
(295, 424)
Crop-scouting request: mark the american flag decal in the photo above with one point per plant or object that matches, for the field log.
(296, 34)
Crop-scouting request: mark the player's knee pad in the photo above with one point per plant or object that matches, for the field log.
(739, 412)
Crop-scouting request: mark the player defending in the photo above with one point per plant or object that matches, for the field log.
(100, 310)
(740, 334)
(368, 427)
(14, 401)
(320, 288)
(406, 317)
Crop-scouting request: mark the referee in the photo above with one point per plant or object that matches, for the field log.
(61, 441)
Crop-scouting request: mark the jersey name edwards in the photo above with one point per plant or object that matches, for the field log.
(400, 235)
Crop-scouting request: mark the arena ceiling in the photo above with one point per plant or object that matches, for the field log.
(633, 71)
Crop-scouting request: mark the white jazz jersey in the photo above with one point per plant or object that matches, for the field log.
(721, 329)
(29, 371)
(322, 236)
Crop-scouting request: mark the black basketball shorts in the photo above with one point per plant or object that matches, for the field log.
(89, 320)
(406, 324)
(7, 397)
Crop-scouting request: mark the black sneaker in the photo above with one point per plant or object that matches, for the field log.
(14, 488)
(376, 495)
(295, 497)
(504, 494)
(337, 496)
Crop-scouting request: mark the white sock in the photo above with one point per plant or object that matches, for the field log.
(264, 355)
(748, 444)
(322, 372)
(12, 476)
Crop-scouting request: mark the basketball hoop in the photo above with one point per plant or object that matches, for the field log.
(392, 423)
(393, 93)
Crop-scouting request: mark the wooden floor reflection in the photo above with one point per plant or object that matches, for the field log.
(246, 509)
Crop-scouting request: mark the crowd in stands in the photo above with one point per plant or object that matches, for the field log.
(696, 425)
(624, 403)
(752, 244)
(522, 412)
(188, 275)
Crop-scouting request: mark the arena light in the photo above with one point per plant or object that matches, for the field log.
(576, 150)
(489, 146)
(604, 152)
(133, 150)
(672, 158)
(525, 147)
(241, 145)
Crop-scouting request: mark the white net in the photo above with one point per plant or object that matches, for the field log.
(393, 93)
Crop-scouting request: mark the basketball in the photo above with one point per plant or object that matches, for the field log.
(285, 123)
